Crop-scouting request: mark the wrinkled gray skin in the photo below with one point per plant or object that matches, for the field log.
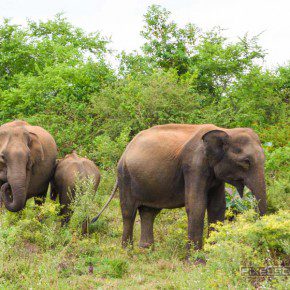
(68, 171)
(27, 160)
(175, 165)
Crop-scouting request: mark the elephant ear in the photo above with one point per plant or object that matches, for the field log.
(36, 149)
(216, 143)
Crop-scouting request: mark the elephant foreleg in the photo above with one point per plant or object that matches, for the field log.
(147, 216)
(40, 199)
(216, 205)
(195, 204)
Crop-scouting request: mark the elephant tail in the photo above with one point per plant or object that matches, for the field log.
(107, 203)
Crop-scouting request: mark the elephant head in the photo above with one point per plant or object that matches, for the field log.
(20, 150)
(237, 157)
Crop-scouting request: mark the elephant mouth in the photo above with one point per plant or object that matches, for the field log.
(6, 189)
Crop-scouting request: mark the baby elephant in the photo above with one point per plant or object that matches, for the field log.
(68, 171)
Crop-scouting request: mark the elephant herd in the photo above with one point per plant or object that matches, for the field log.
(163, 167)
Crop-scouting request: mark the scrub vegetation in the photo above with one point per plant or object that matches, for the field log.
(54, 75)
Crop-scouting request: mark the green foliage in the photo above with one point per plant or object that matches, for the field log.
(278, 193)
(236, 204)
(248, 241)
(34, 225)
(83, 204)
(113, 268)
(277, 158)
(44, 44)
(54, 75)
(166, 45)
(277, 164)
(268, 236)
(215, 61)
(141, 102)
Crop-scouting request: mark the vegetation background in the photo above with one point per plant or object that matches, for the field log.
(54, 75)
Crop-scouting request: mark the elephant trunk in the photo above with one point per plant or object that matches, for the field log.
(14, 191)
(258, 187)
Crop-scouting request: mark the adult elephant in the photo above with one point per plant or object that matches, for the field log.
(27, 161)
(176, 165)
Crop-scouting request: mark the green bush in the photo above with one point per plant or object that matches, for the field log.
(84, 205)
(269, 234)
(248, 242)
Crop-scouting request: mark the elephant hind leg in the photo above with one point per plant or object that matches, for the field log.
(128, 209)
(147, 216)
(129, 215)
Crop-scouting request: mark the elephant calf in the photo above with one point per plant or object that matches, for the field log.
(68, 171)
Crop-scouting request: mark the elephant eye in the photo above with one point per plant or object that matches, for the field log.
(245, 163)
(2, 158)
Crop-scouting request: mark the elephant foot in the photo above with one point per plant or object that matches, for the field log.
(127, 244)
(145, 245)
(196, 262)
(199, 261)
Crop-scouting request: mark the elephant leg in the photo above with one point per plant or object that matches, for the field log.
(65, 214)
(216, 205)
(40, 199)
(129, 215)
(128, 209)
(1, 199)
(195, 204)
(147, 216)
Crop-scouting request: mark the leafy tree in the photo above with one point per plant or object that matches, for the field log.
(144, 101)
(42, 44)
(216, 62)
(167, 45)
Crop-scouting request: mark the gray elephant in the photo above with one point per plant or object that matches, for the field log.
(27, 160)
(68, 171)
(176, 165)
